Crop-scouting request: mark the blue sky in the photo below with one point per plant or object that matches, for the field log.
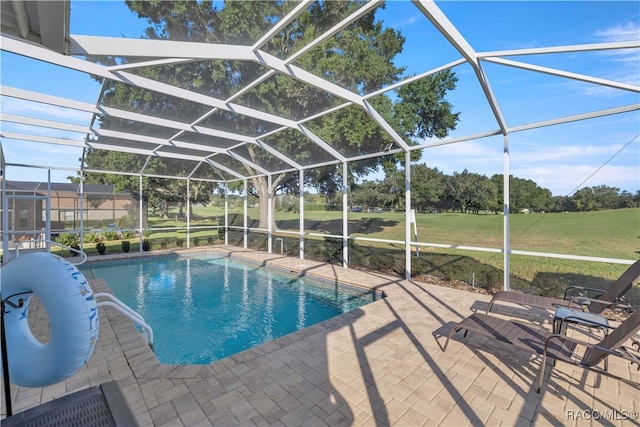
(603, 151)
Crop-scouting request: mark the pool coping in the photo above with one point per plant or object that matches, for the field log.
(141, 357)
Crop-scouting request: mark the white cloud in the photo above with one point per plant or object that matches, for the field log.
(563, 179)
(620, 32)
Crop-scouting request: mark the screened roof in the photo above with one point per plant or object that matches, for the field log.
(211, 126)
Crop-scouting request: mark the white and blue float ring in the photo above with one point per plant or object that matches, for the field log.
(71, 310)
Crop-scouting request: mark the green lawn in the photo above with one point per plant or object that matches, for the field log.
(608, 234)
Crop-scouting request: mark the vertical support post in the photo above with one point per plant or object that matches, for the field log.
(345, 216)
(269, 215)
(407, 215)
(81, 207)
(5, 220)
(226, 214)
(188, 213)
(245, 228)
(140, 213)
(5, 362)
(301, 213)
(505, 190)
(47, 217)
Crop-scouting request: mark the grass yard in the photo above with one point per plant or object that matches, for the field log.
(608, 234)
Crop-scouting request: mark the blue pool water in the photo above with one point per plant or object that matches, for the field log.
(208, 307)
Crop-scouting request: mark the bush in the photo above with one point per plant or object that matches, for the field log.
(110, 235)
(125, 244)
(179, 242)
(210, 240)
(196, 241)
(127, 234)
(146, 245)
(101, 248)
(68, 239)
(91, 237)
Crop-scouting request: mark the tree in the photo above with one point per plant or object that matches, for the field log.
(359, 58)
(368, 194)
(427, 187)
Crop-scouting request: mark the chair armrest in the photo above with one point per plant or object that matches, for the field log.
(598, 292)
(581, 301)
(623, 352)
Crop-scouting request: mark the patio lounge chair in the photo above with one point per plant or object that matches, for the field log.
(556, 346)
(606, 299)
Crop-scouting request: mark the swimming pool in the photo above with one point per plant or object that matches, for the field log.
(207, 307)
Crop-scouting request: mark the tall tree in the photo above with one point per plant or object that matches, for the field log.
(359, 58)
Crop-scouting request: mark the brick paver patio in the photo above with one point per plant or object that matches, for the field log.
(381, 364)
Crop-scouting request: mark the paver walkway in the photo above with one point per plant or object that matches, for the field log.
(379, 365)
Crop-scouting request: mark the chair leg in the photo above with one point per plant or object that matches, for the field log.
(451, 332)
(543, 365)
(489, 306)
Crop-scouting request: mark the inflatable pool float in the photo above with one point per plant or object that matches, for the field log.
(73, 319)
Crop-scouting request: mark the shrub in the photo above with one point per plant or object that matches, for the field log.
(146, 233)
(146, 245)
(101, 248)
(179, 242)
(125, 244)
(196, 241)
(210, 240)
(91, 237)
(110, 235)
(127, 234)
(68, 239)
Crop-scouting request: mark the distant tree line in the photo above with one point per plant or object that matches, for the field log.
(467, 192)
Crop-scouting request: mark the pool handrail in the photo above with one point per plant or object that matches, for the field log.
(127, 311)
(19, 244)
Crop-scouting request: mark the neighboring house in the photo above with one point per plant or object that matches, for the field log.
(99, 207)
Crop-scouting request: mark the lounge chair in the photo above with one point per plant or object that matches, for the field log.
(556, 346)
(606, 299)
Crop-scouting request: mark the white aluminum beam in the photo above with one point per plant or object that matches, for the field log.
(144, 118)
(41, 138)
(247, 162)
(556, 72)
(50, 124)
(577, 117)
(562, 49)
(415, 78)
(224, 168)
(326, 147)
(368, 7)
(47, 99)
(278, 154)
(383, 123)
(282, 23)
(306, 77)
(451, 33)
(144, 64)
(149, 48)
(11, 45)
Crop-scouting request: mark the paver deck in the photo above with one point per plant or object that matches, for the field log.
(379, 365)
